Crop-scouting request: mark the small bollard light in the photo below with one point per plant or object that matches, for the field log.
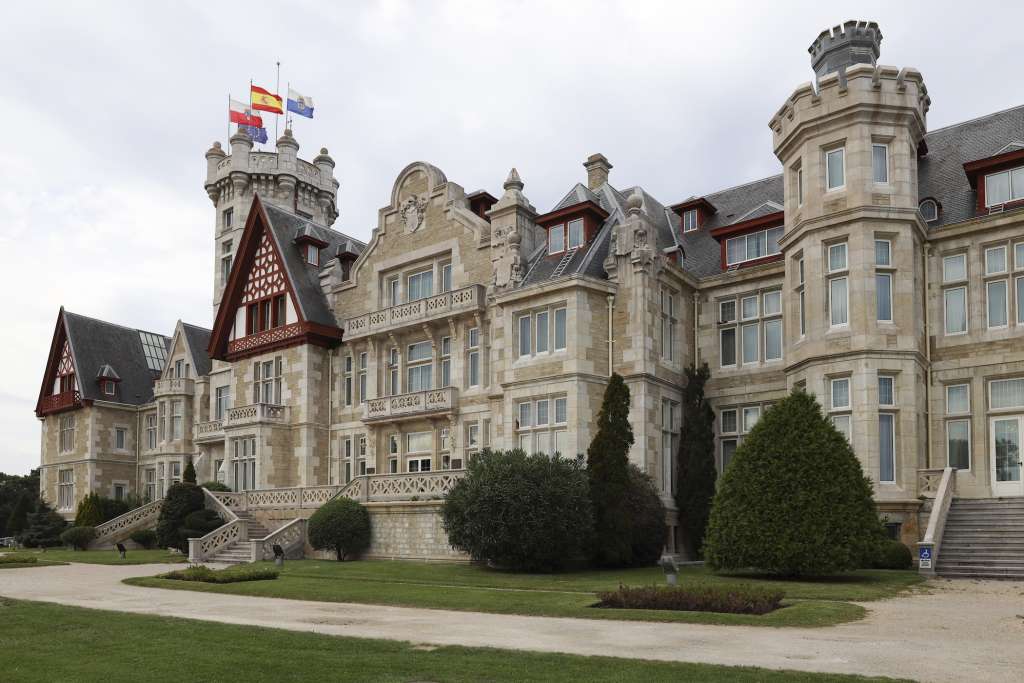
(671, 569)
(278, 555)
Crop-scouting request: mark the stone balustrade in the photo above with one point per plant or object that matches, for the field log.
(466, 300)
(928, 481)
(256, 413)
(181, 386)
(212, 430)
(410, 485)
(414, 404)
(291, 537)
(121, 527)
(929, 547)
(232, 531)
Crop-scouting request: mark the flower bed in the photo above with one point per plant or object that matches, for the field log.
(232, 575)
(731, 600)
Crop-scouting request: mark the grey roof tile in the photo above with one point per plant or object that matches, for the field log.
(198, 340)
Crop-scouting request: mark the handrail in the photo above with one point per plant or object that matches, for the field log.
(122, 526)
(229, 533)
(288, 537)
(937, 521)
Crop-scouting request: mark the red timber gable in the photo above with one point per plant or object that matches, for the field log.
(746, 228)
(59, 391)
(259, 287)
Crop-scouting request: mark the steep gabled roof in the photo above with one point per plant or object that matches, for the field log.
(198, 338)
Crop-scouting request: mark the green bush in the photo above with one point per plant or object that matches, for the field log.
(341, 525)
(95, 509)
(608, 470)
(189, 476)
(17, 520)
(204, 574)
(647, 519)
(216, 486)
(521, 512)
(696, 462)
(893, 555)
(181, 500)
(43, 528)
(78, 537)
(732, 600)
(18, 558)
(794, 500)
(144, 537)
(199, 523)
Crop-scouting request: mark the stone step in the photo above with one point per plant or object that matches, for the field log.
(982, 572)
(1013, 559)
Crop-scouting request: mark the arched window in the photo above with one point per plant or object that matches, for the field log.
(929, 210)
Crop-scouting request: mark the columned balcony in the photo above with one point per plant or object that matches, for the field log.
(174, 387)
(412, 405)
(254, 414)
(466, 300)
(56, 403)
(210, 431)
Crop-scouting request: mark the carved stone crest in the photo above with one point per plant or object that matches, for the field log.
(412, 213)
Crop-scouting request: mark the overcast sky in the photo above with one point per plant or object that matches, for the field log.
(109, 107)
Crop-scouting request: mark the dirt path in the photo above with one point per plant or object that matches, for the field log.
(957, 631)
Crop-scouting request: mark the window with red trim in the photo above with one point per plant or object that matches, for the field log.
(265, 314)
(313, 254)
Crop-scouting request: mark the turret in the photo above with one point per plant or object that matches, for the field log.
(513, 232)
(855, 42)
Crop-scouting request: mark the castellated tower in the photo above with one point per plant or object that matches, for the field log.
(280, 178)
(854, 252)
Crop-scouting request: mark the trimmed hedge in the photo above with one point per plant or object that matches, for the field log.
(893, 555)
(216, 486)
(734, 600)
(199, 523)
(204, 574)
(18, 558)
(78, 537)
(521, 512)
(144, 537)
(341, 525)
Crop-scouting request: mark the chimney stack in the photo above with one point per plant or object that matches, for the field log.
(597, 170)
(855, 42)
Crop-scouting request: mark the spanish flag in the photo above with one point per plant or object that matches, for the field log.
(265, 100)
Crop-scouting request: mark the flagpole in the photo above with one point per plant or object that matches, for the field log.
(229, 120)
(277, 91)
(287, 118)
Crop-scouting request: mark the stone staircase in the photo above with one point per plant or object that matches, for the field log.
(983, 539)
(241, 552)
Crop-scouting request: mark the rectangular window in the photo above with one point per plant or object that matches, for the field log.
(837, 257)
(728, 346)
(1005, 186)
(175, 472)
(120, 438)
(955, 307)
(524, 415)
(65, 489)
(228, 218)
(748, 307)
(772, 303)
(313, 254)
(958, 399)
(750, 417)
(750, 346)
(473, 358)
(575, 233)
(67, 433)
(880, 163)
(561, 410)
(886, 447)
(542, 412)
(727, 311)
(773, 339)
(362, 377)
(958, 444)
(803, 316)
(800, 187)
(392, 291)
(669, 443)
(835, 169)
(119, 491)
(1006, 393)
(177, 419)
(883, 253)
(348, 380)
(1018, 255)
(556, 239)
(446, 361)
(1020, 300)
(883, 297)
(689, 220)
(842, 425)
(222, 397)
(151, 431)
(179, 368)
(886, 390)
(541, 323)
(446, 277)
(418, 464)
(840, 392)
(524, 335)
(559, 329)
(954, 268)
(420, 285)
(419, 442)
(995, 296)
(838, 302)
(267, 381)
(668, 325)
(729, 423)
(995, 260)
(753, 246)
(728, 450)
(393, 387)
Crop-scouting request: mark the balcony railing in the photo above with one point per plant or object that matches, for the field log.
(65, 400)
(256, 413)
(275, 335)
(411, 405)
(212, 430)
(181, 385)
(465, 300)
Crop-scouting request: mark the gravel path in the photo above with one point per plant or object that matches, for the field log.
(955, 631)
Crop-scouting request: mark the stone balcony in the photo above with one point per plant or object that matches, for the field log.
(174, 387)
(254, 414)
(212, 430)
(459, 301)
(412, 405)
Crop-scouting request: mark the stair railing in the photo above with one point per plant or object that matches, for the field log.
(232, 531)
(291, 537)
(928, 549)
(121, 527)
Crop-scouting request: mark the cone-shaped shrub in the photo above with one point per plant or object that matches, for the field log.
(608, 469)
(794, 500)
(190, 473)
(697, 472)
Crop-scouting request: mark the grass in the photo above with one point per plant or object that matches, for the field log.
(63, 556)
(96, 645)
(478, 589)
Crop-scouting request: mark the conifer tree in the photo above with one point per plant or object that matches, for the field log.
(18, 520)
(190, 473)
(696, 462)
(608, 469)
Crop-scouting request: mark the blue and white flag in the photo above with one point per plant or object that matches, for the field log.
(300, 104)
(257, 134)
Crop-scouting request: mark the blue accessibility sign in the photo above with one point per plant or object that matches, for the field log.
(924, 557)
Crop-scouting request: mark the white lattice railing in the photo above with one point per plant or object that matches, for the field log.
(928, 481)
(409, 486)
(290, 537)
(122, 527)
(411, 404)
(422, 310)
(229, 533)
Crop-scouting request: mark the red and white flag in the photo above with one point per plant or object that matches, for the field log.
(241, 113)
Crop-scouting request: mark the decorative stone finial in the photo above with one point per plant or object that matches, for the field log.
(513, 181)
(514, 238)
(241, 136)
(323, 150)
(635, 203)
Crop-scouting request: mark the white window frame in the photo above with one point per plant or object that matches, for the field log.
(1014, 194)
(756, 235)
(570, 242)
(829, 187)
(419, 276)
(831, 312)
(689, 220)
(892, 436)
(1006, 259)
(967, 389)
(970, 451)
(935, 212)
(962, 257)
(1006, 303)
(832, 382)
(121, 438)
(560, 229)
(885, 150)
(473, 357)
(892, 380)
(945, 311)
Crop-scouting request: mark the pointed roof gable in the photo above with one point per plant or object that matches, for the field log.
(195, 339)
(268, 264)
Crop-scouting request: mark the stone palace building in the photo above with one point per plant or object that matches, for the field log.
(881, 269)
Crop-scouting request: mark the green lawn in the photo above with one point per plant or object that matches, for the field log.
(96, 645)
(62, 556)
(475, 588)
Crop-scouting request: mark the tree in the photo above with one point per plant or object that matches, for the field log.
(43, 529)
(18, 519)
(181, 500)
(190, 473)
(521, 512)
(794, 500)
(647, 519)
(608, 469)
(341, 525)
(95, 509)
(696, 462)
(12, 487)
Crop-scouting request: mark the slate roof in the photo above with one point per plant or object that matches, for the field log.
(96, 344)
(198, 339)
(305, 277)
(941, 170)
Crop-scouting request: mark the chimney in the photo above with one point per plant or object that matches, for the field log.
(855, 42)
(597, 170)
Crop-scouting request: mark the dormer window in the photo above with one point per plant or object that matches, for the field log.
(556, 239)
(313, 254)
(690, 220)
(576, 233)
(1005, 186)
(109, 388)
(929, 210)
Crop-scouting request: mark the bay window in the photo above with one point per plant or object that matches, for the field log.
(267, 381)
(539, 429)
(886, 447)
(883, 280)
(996, 291)
(65, 489)
(838, 286)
